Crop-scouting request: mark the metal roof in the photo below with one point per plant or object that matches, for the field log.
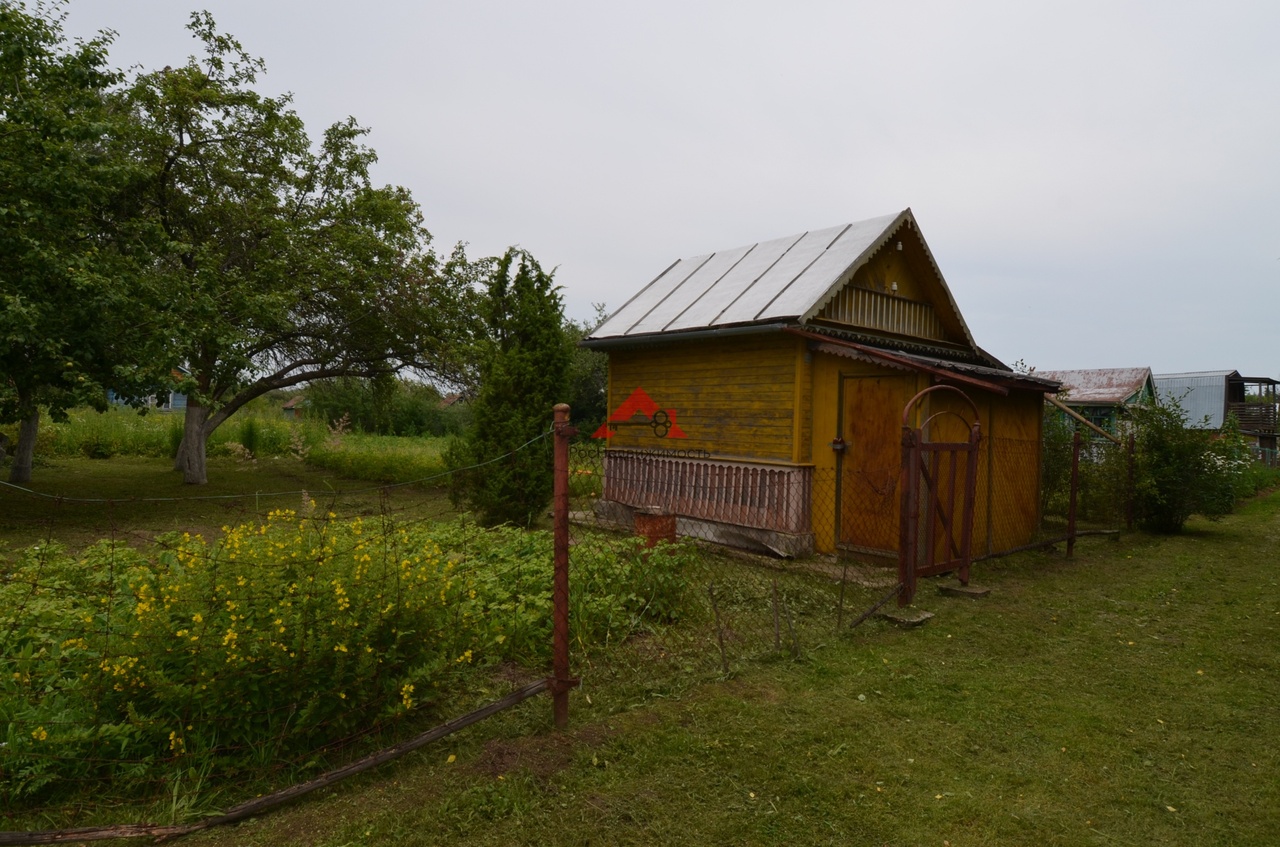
(783, 281)
(1100, 386)
(1201, 394)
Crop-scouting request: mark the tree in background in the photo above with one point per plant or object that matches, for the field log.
(75, 318)
(523, 365)
(588, 376)
(383, 405)
(282, 262)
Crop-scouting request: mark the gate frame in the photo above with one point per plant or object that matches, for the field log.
(915, 470)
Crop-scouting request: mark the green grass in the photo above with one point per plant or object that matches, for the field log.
(1125, 697)
(382, 458)
(237, 491)
(120, 432)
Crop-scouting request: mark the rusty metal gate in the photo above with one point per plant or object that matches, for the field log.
(936, 531)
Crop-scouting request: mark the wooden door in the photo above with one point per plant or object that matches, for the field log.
(869, 465)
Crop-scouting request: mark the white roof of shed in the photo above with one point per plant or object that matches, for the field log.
(785, 280)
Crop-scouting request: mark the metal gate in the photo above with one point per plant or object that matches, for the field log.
(936, 531)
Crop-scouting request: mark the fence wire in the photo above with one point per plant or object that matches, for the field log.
(293, 640)
(209, 668)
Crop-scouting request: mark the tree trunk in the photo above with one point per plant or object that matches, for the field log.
(25, 452)
(191, 452)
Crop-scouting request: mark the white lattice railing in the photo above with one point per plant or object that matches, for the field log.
(771, 497)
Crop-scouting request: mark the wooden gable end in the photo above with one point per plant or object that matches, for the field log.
(897, 292)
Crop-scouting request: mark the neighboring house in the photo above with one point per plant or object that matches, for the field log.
(295, 408)
(1100, 395)
(761, 391)
(1209, 396)
(168, 401)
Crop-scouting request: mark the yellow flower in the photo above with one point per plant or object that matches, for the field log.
(39, 734)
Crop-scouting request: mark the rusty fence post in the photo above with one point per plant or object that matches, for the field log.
(1075, 493)
(1130, 493)
(561, 683)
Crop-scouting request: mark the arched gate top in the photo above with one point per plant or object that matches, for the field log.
(906, 410)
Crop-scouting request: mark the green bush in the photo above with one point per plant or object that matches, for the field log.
(1181, 470)
(275, 640)
(385, 406)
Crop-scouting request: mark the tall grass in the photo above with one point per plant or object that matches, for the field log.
(381, 458)
(249, 434)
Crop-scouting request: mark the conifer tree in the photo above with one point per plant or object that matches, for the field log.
(523, 369)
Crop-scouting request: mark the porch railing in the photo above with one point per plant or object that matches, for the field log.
(1255, 417)
(769, 497)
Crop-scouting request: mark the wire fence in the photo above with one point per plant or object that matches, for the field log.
(751, 560)
(294, 645)
(183, 672)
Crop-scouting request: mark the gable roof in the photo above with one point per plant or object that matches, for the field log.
(1101, 386)
(783, 282)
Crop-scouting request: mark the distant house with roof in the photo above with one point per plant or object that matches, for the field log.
(762, 390)
(1209, 396)
(1100, 395)
(166, 401)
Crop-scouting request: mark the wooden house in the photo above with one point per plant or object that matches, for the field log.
(760, 392)
(1100, 395)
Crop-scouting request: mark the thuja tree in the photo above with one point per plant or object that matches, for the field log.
(523, 367)
(283, 262)
(73, 309)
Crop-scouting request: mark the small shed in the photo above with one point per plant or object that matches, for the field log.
(760, 391)
(295, 407)
(1101, 394)
(1209, 396)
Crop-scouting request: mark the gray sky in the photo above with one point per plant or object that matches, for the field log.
(1097, 180)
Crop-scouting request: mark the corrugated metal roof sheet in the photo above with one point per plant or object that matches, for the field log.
(1100, 386)
(1201, 394)
(783, 280)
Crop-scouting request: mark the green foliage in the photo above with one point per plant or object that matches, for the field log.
(283, 262)
(125, 432)
(382, 458)
(1181, 470)
(588, 377)
(383, 406)
(523, 368)
(74, 308)
(1055, 463)
(277, 639)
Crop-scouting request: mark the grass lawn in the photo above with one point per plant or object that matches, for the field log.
(137, 498)
(1129, 696)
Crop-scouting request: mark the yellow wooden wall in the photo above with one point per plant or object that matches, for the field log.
(735, 397)
(1006, 512)
(767, 398)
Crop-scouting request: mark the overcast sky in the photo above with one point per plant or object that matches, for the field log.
(1098, 181)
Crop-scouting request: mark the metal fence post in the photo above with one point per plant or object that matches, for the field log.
(561, 683)
(1130, 493)
(1075, 492)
